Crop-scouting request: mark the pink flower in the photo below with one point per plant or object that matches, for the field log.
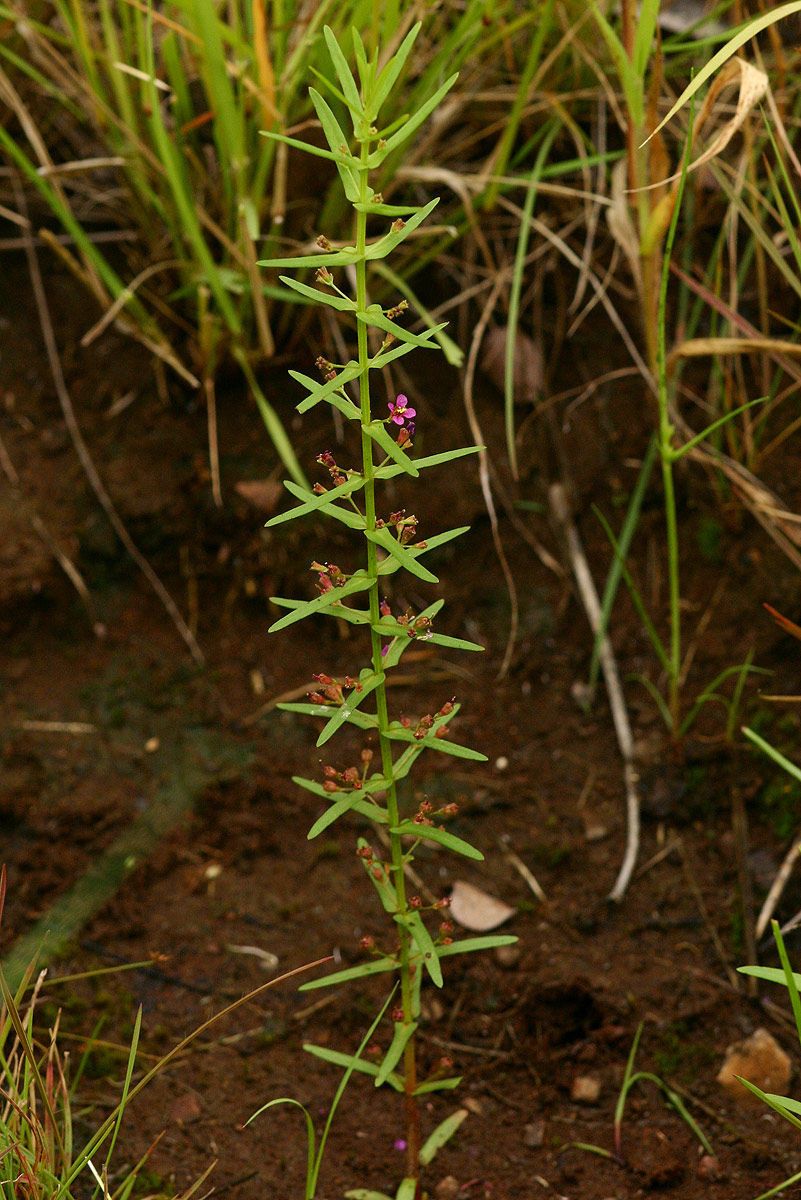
(400, 412)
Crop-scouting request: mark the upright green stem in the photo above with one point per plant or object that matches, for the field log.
(413, 1135)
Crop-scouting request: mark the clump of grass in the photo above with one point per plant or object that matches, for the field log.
(391, 542)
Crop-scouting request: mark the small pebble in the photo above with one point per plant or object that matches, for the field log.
(447, 1188)
(709, 1167)
(473, 1105)
(534, 1134)
(152, 745)
(586, 1089)
(501, 763)
(507, 956)
(596, 833)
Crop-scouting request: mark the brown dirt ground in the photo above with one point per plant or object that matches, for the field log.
(587, 974)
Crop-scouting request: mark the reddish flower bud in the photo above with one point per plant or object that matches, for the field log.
(366, 943)
(330, 786)
(415, 902)
(366, 756)
(397, 1014)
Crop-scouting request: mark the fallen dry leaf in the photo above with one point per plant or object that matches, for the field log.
(476, 910)
(263, 494)
(528, 363)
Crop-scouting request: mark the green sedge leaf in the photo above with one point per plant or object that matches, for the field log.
(777, 1103)
(339, 145)
(373, 315)
(407, 1189)
(366, 1194)
(321, 604)
(414, 923)
(441, 1136)
(369, 681)
(388, 243)
(337, 302)
(414, 122)
(438, 1085)
(349, 1060)
(323, 391)
(380, 435)
(473, 945)
(384, 539)
(379, 966)
(430, 833)
(393, 1055)
(431, 460)
(391, 72)
(346, 80)
(770, 975)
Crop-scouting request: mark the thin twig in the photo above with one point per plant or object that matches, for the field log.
(81, 449)
(777, 887)
(589, 598)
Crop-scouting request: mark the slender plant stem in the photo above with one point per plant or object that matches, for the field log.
(413, 1136)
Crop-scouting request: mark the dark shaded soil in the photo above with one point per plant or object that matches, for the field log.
(238, 872)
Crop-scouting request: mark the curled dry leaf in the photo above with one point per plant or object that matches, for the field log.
(263, 494)
(528, 363)
(477, 910)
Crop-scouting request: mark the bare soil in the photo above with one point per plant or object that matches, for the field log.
(588, 973)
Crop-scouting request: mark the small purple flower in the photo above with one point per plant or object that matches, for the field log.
(400, 412)
(400, 1144)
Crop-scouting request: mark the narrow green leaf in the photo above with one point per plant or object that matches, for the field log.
(770, 975)
(407, 1189)
(373, 315)
(381, 882)
(369, 682)
(321, 391)
(366, 1194)
(380, 435)
(398, 734)
(414, 923)
(438, 1085)
(337, 810)
(342, 160)
(790, 767)
(349, 1060)
(346, 80)
(472, 945)
(391, 72)
(390, 565)
(384, 539)
(430, 460)
(441, 1135)
(339, 145)
(346, 516)
(388, 243)
(333, 301)
(353, 484)
(415, 121)
(379, 966)
(430, 833)
(345, 257)
(396, 1048)
(360, 582)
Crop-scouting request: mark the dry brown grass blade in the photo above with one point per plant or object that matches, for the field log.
(783, 622)
(82, 450)
(707, 346)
